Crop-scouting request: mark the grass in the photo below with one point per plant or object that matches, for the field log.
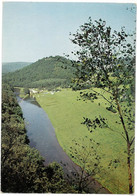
(66, 115)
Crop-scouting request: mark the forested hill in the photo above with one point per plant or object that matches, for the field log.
(13, 66)
(47, 72)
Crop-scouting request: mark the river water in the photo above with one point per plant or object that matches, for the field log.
(42, 137)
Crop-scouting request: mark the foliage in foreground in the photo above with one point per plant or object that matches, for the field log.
(23, 169)
(106, 60)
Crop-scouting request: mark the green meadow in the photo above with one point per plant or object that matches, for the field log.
(66, 113)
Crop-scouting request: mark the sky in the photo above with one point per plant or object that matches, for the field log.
(33, 30)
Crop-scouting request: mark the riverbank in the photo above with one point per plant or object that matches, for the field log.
(42, 137)
(66, 115)
(22, 167)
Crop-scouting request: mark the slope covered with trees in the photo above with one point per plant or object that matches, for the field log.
(13, 66)
(23, 169)
(47, 72)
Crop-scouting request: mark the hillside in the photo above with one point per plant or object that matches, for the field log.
(48, 72)
(13, 66)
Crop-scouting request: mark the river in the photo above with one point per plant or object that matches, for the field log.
(42, 137)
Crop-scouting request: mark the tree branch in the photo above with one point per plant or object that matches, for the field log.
(118, 133)
(132, 141)
(104, 98)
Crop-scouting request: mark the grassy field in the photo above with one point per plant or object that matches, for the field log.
(66, 115)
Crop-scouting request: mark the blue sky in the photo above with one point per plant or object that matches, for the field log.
(32, 31)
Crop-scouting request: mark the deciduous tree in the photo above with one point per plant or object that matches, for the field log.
(106, 60)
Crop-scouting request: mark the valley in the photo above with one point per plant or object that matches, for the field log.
(99, 154)
(68, 98)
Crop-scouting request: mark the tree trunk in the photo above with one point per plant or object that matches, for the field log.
(80, 182)
(128, 147)
(129, 171)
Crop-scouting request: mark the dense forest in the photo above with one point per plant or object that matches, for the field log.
(48, 72)
(23, 169)
(13, 66)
